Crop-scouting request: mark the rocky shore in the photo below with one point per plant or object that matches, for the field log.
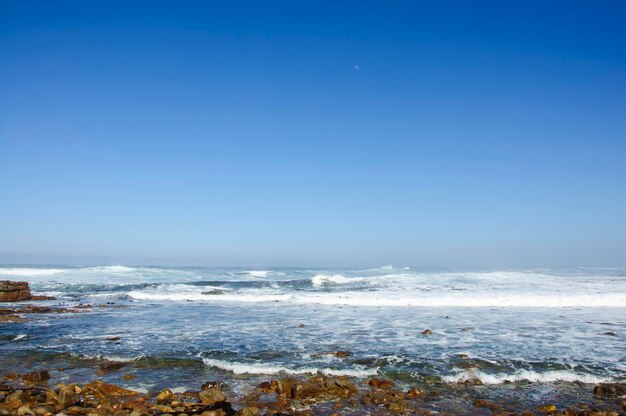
(34, 394)
(50, 386)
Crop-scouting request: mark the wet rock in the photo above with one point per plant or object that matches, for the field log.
(415, 392)
(129, 377)
(36, 377)
(338, 387)
(24, 410)
(42, 297)
(113, 339)
(165, 396)
(211, 396)
(301, 326)
(610, 333)
(43, 410)
(11, 318)
(427, 332)
(111, 366)
(610, 389)
(67, 396)
(14, 291)
(216, 412)
(101, 389)
(294, 389)
(474, 381)
(379, 383)
(248, 411)
(486, 404)
(547, 408)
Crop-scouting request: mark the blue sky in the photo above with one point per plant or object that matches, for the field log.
(423, 133)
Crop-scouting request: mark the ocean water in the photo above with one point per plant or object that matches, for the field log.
(181, 325)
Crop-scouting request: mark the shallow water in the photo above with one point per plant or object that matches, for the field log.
(540, 326)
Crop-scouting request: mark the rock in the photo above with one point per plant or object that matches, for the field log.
(248, 411)
(113, 339)
(301, 326)
(11, 318)
(129, 377)
(379, 383)
(486, 404)
(67, 397)
(216, 412)
(109, 366)
(24, 410)
(610, 389)
(14, 291)
(42, 297)
(42, 410)
(295, 389)
(164, 396)
(211, 396)
(101, 389)
(610, 333)
(36, 377)
(415, 392)
(473, 381)
(547, 408)
(427, 332)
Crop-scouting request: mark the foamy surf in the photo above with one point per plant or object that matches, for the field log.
(269, 369)
(337, 279)
(527, 375)
(25, 272)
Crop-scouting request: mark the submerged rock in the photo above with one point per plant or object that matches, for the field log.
(379, 383)
(36, 377)
(610, 389)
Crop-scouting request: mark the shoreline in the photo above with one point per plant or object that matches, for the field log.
(39, 393)
(172, 385)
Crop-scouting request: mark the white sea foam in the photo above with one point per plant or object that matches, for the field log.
(338, 279)
(112, 269)
(256, 368)
(258, 273)
(24, 271)
(527, 375)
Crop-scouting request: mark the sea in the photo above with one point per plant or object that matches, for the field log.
(181, 326)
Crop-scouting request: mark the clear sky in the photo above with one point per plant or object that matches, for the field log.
(423, 133)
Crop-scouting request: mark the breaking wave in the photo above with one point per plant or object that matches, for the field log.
(256, 368)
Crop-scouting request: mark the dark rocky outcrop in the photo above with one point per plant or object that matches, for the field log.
(14, 291)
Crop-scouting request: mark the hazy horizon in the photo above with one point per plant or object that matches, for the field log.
(315, 134)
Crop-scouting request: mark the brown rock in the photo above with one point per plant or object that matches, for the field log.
(547, 408)
(610, 389)
(427, 332)
(379, 383)
(36, 377)
(14, 291)
(42, 297)
(211, 396)
(101, 389)
(301, 326)
(11, 318)
(415, 392)
(67, 397)
(486, 404)
(216, 412)
(248, 411)
(109, 366)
